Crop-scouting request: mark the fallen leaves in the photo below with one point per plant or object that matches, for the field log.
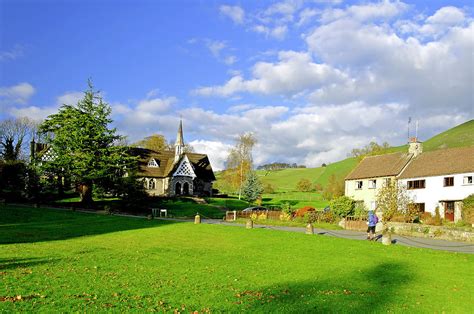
(18, 298)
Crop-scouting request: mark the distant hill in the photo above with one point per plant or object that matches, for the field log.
(285, 180)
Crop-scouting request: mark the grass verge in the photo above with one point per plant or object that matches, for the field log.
(62, 261)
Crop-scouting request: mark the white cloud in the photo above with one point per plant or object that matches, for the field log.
(235, 13)
(215, 47)
(306, 16)
(33, 112)
(16, 94)
(156, 105)
(229, 60)
(12, 54)
(217, 152)
(294, 72)
(447, 16)
(69, 98)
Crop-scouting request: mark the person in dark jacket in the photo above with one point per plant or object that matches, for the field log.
(372, 221)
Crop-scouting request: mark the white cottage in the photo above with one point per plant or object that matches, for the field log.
(441, 178)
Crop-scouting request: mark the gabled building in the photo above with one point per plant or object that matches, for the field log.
(173, 173)
(441, 178)
(363, 183)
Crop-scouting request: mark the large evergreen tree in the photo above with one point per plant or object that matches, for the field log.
(83, 146)
(252, 188)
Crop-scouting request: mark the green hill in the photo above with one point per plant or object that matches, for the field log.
(285, 180)
(459, 136)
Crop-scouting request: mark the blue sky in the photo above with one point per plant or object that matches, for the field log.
(311, 79)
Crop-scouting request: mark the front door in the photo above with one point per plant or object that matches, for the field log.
(449, 211)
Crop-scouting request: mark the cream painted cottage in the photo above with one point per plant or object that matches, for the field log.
(440, 178)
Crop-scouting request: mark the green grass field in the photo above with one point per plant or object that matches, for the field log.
(62, 261)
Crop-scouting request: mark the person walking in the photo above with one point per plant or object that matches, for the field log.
(372, 221)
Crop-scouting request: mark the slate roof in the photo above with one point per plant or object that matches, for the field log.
(380, 166)
(165, 160)
(441, 162)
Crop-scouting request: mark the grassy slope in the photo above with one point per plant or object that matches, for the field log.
(134, 264)
(286, 180)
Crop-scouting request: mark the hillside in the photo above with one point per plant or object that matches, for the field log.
(285, 180)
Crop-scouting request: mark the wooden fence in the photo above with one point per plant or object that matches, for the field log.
(355, 223)
(236, 214)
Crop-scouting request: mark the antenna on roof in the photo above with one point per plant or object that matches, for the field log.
(416, 129)
(408, 133)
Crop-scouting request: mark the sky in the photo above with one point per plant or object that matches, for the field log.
(311, 79)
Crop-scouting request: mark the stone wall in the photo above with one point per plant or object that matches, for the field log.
(437, 232)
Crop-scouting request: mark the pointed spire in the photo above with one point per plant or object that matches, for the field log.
(179, 145)
(179, 137)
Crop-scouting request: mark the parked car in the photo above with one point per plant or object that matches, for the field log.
(255, 208)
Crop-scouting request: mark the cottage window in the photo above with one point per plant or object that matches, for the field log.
(388, 181)
(416, 184)
(358, 185)
(467, 180)
(449, 181)
(151, 184)
(372, 184)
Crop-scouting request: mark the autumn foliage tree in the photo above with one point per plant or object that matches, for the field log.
(83, 145)
(239, 162)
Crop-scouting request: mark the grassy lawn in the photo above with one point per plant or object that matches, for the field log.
(54, 261)
(290, 223)
(295, 199)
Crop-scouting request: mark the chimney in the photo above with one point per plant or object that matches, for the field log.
(415, 147)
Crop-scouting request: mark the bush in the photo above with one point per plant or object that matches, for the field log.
(303, 211)
(319, 216)
(304, 185)
(467, 212)
(268, 188)
(342, 206)
(435, 220)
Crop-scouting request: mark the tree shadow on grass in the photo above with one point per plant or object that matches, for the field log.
(20, 224)
(373, 290)
(14, 263)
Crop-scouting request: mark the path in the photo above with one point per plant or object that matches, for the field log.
(443, 245)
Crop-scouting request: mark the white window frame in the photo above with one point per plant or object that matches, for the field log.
(373, 184)
(359, 184)
(466, 180)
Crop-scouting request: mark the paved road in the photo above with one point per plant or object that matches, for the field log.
(443, 245)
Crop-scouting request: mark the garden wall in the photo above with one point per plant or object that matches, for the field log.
(427, 231)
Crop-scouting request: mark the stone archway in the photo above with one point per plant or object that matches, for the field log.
(177, 188)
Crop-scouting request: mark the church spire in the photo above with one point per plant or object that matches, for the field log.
(179, 145)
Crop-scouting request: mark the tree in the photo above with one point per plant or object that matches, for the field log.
(304, 185)
(83, 145)
(13, 135)
(334, 187)
(252, 188)
(371, 149)
(156, 142)
(239, 161)
(391, 199)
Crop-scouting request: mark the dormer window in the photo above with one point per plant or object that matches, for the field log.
(152, 163)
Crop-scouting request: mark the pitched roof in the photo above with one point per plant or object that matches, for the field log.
(167, 166)
(441, 162)
(380, 166)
